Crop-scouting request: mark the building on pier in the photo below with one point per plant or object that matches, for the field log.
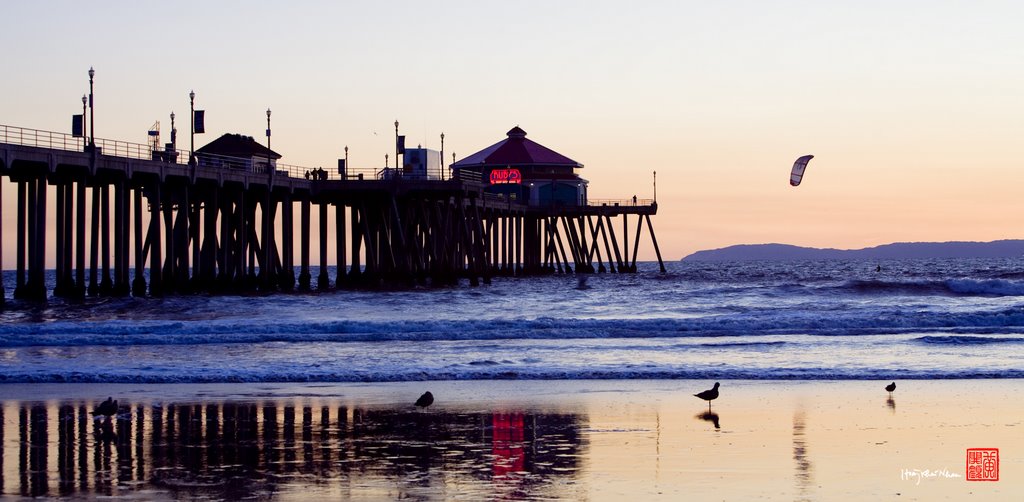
(526, 171)
(236, 151)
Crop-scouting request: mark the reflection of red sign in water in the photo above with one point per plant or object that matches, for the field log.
(508, 443)
(500, 176)
(983, 464)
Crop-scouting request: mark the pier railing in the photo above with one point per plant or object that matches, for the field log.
(620, 202)
(42, 139)
(141, 151)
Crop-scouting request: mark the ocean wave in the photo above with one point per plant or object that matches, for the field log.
(954, 287)
(745, 323)
(967, 340)
(739, 345)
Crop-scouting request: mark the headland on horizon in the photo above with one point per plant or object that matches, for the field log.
(1008, 248)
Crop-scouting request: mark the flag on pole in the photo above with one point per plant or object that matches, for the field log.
(400, 146)
(341, 167)
(77, 126)
(200, 122)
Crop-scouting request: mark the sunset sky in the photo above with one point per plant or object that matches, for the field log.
(914, 110)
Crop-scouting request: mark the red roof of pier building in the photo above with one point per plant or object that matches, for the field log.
(516, 150)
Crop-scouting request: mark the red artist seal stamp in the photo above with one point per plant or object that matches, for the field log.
(983, 464)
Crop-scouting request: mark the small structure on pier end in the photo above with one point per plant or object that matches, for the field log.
(238, 152)
(527, 171)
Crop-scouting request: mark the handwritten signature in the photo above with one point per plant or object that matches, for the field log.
(919, 474)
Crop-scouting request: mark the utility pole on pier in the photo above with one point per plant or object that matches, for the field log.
(192, 127)
(92, 112)
(85, 135)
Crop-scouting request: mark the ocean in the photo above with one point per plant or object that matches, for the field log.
(907, 319)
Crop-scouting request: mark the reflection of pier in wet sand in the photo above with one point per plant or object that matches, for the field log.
(243, 449)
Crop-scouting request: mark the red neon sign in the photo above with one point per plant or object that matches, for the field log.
(502, 176)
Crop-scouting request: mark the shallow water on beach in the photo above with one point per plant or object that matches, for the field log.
(599, 440)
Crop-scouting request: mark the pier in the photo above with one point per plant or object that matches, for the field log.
(131, 220)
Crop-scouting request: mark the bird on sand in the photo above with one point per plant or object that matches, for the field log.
(425, 400)
(107, 408)
(709, 395)
(891, 387)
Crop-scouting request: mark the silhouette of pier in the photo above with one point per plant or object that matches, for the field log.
(176, 224)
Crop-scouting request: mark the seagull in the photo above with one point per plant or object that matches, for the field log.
(891, 387)
(425, 400)
(107, 408)
(709, 395)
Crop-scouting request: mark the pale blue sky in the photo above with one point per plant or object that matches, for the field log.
(913, 109)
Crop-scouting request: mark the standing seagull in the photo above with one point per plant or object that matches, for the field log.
(709, 395)
(107, 408)
(891, 387)
(425, 400)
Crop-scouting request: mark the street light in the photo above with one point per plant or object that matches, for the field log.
(85, 99)
(92, 111)
(441, 167)
(174, 136)
(192, 128)
(268, 144)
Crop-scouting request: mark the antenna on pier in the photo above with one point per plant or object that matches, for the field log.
(154, 136)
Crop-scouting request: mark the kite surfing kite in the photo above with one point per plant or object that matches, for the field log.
(798, 169)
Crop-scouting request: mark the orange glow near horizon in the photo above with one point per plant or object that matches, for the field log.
(911, 111)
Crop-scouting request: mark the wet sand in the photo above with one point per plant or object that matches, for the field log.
(531, 440)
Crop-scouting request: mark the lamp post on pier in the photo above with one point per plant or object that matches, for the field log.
(441, 167)
(174, 137)
(92, 111)
(85, 99)
(267, 238)
(655, 187)
(192, 126)
(271, 171)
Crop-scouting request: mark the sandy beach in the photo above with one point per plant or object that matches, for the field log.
(534, 440)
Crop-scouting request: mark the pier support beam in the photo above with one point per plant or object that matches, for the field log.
(122, 234)
(287, 278)
(139, 282)
(208, 253)
(304, 277)
(94, 243)
(60, 248)
(156, 266)
(355, 271)
(339, 223)
(80, 240)
(37, 240)
(20, 249)
(106, 285)
(323, 280)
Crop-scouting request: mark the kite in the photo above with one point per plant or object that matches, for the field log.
(798, 169)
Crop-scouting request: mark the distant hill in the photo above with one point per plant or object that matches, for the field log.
(899, 250)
